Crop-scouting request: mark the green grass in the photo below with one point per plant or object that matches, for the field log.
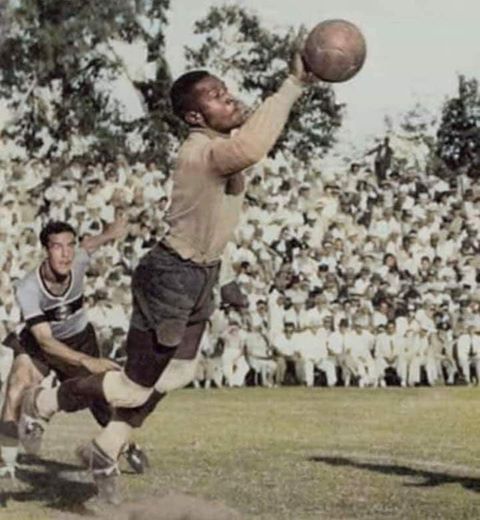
(291, 453)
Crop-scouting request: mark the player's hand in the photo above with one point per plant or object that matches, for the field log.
(298, 68)
(99, 365)
(118, 228)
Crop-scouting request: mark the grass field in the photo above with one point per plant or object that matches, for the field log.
(288, 453)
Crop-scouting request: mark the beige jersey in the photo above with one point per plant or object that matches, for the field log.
(202, 214)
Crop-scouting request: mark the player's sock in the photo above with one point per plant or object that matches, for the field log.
(47, 402)
(113, 438)
(8, 433)
(9, 448)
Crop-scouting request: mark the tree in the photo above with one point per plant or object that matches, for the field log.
(458, 136)
(4, 20)
(58, 63)
(237, 46)
(414, 141)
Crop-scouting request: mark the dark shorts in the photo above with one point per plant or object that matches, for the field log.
(172, 300)
(170, 293)
(85, 341)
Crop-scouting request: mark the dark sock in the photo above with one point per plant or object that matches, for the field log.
(8, 433)
(78, 393)
(136, 416)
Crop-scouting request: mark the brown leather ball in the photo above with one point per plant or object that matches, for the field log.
(335, 50)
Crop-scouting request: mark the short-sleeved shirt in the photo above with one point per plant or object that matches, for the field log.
(65, 313)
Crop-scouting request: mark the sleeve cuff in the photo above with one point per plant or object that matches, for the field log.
(35, 320)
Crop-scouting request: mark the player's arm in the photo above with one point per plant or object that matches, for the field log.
(262, 129)
(114, 231)
(55, 348)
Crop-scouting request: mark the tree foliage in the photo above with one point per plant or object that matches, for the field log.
(237, 46)
(458, 136)
(56, 56)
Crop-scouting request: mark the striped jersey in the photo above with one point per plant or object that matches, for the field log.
(65, 313)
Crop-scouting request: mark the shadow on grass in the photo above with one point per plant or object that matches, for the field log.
(57, 485)
(430, 478)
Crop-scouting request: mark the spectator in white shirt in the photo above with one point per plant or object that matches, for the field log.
(336, 350)
(421, 355)
(464, 350)
(442, 344)
(313, 353)
(260, 357)
(234, 364)
(475, 360)
(390, 353)
(286, 352)
(359, 359)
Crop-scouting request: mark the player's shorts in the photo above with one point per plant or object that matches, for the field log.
(85, 342)
(170, 293)
(172, 300)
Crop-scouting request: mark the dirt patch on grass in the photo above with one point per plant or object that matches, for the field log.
(171, 506)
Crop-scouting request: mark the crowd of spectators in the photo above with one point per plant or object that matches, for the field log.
(347, 279)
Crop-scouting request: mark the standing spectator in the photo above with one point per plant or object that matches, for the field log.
(383, 159)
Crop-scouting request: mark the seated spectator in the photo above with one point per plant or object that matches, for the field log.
(286, 354)
(464, 350)
(443, 350)
(313, 355)
(390, 352)
(422, 356)
(234, 363)
(358, 355)
(210, 367)
(260, 357)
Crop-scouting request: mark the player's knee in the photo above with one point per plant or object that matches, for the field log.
(178, 374)
(120, 391)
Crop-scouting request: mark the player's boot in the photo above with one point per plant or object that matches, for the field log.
(31, 426)
(136, 458)
(104, 470)
(30, 433)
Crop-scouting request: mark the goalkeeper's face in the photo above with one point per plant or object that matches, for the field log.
(216, 107)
